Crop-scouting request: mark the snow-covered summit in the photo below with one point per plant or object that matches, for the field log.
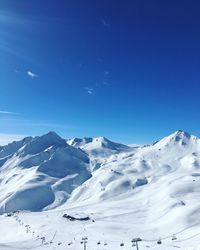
(96, 144)
(12, 147)
(174, 159)
(78, 142)
(40, 172)
(100, 150)
(40, 143)
(150, 190)
(48, 164)
(180, 141)
(37, 143)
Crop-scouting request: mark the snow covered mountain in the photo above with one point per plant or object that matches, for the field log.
(98, 145)
(151, 192)
(177, 154)
(40, 172)
(100, 149)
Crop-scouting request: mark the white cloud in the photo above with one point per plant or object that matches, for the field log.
(31, 74)
(90, 91)
(104, 22)
(3, 112)
(106, 73)
(7, 138)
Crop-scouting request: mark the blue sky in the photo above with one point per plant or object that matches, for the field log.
(128, 70)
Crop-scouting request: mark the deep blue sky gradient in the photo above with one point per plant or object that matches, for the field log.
(128, 70)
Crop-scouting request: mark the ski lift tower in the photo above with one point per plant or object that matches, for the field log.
(84, 239)
(136, 240)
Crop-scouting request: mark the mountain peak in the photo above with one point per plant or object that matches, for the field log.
(181, 133)
(40, 143)
(101, 139)
(179, 137)
(52, 135)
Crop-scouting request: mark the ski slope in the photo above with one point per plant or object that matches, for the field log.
(151, 192)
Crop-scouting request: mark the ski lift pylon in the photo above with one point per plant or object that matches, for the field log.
(159, 242)
(174, 237)
(122, 244)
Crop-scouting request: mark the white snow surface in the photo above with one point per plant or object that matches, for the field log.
(40, 173)
(151, 192)
(99, 149)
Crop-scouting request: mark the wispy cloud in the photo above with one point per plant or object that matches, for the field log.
(105, 23)
(90, 91)
(3, 112)
(96, 87)
(15, 124)
(31, 123)
(31, 74)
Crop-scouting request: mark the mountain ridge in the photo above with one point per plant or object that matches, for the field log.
(49, 160)
(150, 192)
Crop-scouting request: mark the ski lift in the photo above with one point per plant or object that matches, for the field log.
(70, 243)
(122, 244)
(98, 243)
(43, 240)
(159, 242)
(136, 240)
(105, 244)
(174, 237)
(81, 242)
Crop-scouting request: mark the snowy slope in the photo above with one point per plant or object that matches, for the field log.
(177, 154)
(100, 150)
(97, 145)
(150, 192)
(157, 187)
(40, 172)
